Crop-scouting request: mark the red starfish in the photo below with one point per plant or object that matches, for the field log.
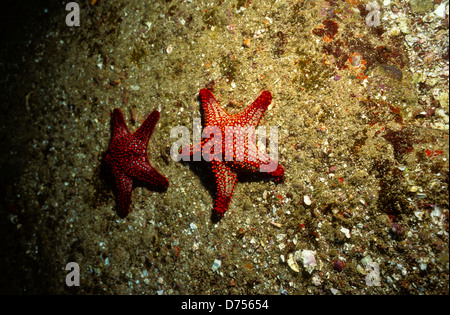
(226, 169)
(128, 160)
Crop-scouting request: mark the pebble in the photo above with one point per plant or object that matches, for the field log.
(436, 213)
(440, 11)
(307, 200)
(193, 227)
(316, 280)
(423, 266)
(338, 265)
(366, 260)
(292, 263)
(421, 195)
(115, 82)
(334, 291)
(216, 265)
(309, 260)
(135, 87)
(346, 232)
(307, 257)
(278, 225)
(413, 189)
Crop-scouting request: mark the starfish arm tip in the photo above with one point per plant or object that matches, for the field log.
(148, 126)
(267, 93)
(265, 98)
(124, 186)
(119, 127)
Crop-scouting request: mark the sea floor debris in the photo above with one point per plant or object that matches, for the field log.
(363, 136)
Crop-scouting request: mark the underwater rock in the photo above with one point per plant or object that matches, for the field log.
(391, 71)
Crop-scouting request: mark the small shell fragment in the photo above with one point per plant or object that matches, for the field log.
(346, 232)
(440, 10)
(307, 257)
(307, 200)
(278, 225)
(292, 263)
(413, 189)
(216, 265)
(309, 260)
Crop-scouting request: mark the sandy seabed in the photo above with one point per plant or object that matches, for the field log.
(362, 115)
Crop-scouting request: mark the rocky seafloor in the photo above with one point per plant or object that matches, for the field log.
(362, 114)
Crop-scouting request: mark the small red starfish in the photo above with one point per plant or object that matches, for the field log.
(226, 170)
(128, 160)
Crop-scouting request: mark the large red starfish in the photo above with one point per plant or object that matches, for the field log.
(128, 160)
(244, 159)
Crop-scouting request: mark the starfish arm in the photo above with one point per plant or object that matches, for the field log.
(145, 173)
(214, 113)
(119, 127)
(196, 148)
(278, 174)
(146, 129)
(225, 181)
(273, 169)
(124, 186)
(252, 115)
(185, 152)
